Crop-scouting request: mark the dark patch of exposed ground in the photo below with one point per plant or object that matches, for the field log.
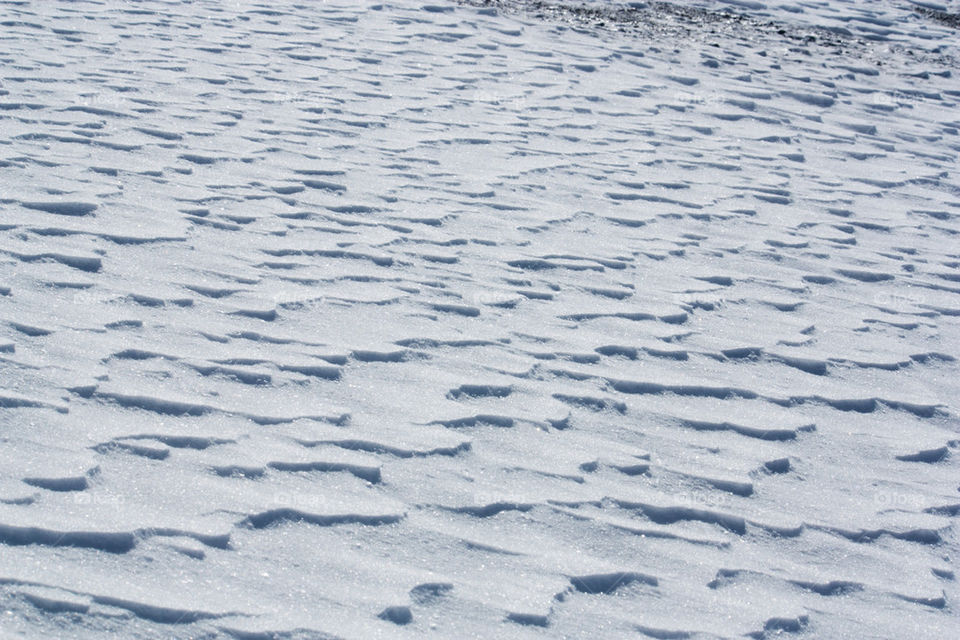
(668, 21)
(948, 19)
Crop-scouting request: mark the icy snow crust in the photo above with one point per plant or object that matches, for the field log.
(351, 320)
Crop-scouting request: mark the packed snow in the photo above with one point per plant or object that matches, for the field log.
(485, 319)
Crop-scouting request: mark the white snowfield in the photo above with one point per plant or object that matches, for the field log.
(355, 320)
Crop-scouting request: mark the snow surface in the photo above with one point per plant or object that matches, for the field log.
(366, 320)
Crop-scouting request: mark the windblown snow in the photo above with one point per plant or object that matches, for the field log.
(485, 319)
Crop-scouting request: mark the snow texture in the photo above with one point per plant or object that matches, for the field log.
(479, 319)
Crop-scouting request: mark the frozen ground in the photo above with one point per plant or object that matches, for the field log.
(397, 320)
